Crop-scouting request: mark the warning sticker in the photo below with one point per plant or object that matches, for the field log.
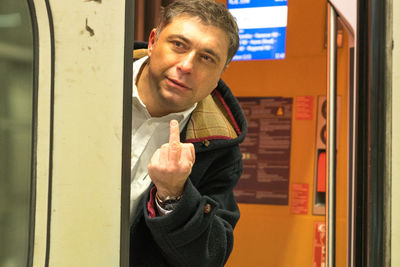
(299, 199)
(304, 107)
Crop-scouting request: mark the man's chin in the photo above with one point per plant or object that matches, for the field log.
(177, 104)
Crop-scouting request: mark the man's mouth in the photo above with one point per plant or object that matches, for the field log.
(178, 83)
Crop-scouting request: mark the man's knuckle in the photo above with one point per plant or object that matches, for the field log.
(165, 146)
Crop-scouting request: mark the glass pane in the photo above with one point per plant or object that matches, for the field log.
(16, 92)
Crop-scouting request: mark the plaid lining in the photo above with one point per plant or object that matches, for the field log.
(139, 53)
(210, 120)
(226, 111)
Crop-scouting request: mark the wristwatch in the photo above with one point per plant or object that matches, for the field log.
(168, 203)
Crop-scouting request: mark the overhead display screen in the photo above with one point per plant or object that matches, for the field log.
(262, 28)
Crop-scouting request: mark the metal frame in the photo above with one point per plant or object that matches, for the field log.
(331, 139)
(373, 142)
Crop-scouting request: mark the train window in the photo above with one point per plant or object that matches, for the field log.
(16, 74)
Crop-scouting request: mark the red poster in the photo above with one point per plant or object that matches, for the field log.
(299, 200)
(319, 248)
(304, 107)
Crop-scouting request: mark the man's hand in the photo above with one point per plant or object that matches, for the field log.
(171, 164)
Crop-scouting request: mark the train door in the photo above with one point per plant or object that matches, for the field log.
(297, 124)
(348, 224)
(284, 201)
(72, 68)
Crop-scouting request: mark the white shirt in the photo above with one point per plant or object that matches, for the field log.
(148, 134)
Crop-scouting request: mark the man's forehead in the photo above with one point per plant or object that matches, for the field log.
(190, 17)
(181, 19)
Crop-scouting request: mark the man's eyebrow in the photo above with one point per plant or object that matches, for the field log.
(180, 36)
(186, 40)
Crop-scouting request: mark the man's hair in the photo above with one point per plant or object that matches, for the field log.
(209, 12)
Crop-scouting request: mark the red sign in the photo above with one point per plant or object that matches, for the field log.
(319, 247)
(299, 203)
(304, 107)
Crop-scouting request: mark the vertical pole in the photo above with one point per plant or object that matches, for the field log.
(331, 140)
(126, 133)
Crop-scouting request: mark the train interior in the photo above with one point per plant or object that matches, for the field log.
(282, 193)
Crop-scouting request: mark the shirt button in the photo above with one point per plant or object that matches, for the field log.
(207, 208)
(149, 123)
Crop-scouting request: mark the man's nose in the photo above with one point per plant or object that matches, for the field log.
(187, 62)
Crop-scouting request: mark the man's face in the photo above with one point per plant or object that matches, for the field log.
(186, 62)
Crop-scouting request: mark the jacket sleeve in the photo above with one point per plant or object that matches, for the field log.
(199, 232)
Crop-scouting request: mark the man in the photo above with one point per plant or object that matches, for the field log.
(187, 127)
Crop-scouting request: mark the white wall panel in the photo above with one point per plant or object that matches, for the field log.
(88, 82)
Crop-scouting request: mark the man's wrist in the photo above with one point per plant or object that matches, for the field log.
(163, 194)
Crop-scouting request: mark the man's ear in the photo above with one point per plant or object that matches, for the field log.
(152, 41)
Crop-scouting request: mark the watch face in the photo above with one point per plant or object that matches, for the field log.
(170, 205)
(170, 201)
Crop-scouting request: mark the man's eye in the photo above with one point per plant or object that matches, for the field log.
(207, 58)
(178, 44)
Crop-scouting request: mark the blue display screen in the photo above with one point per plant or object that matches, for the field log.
(262, 28)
